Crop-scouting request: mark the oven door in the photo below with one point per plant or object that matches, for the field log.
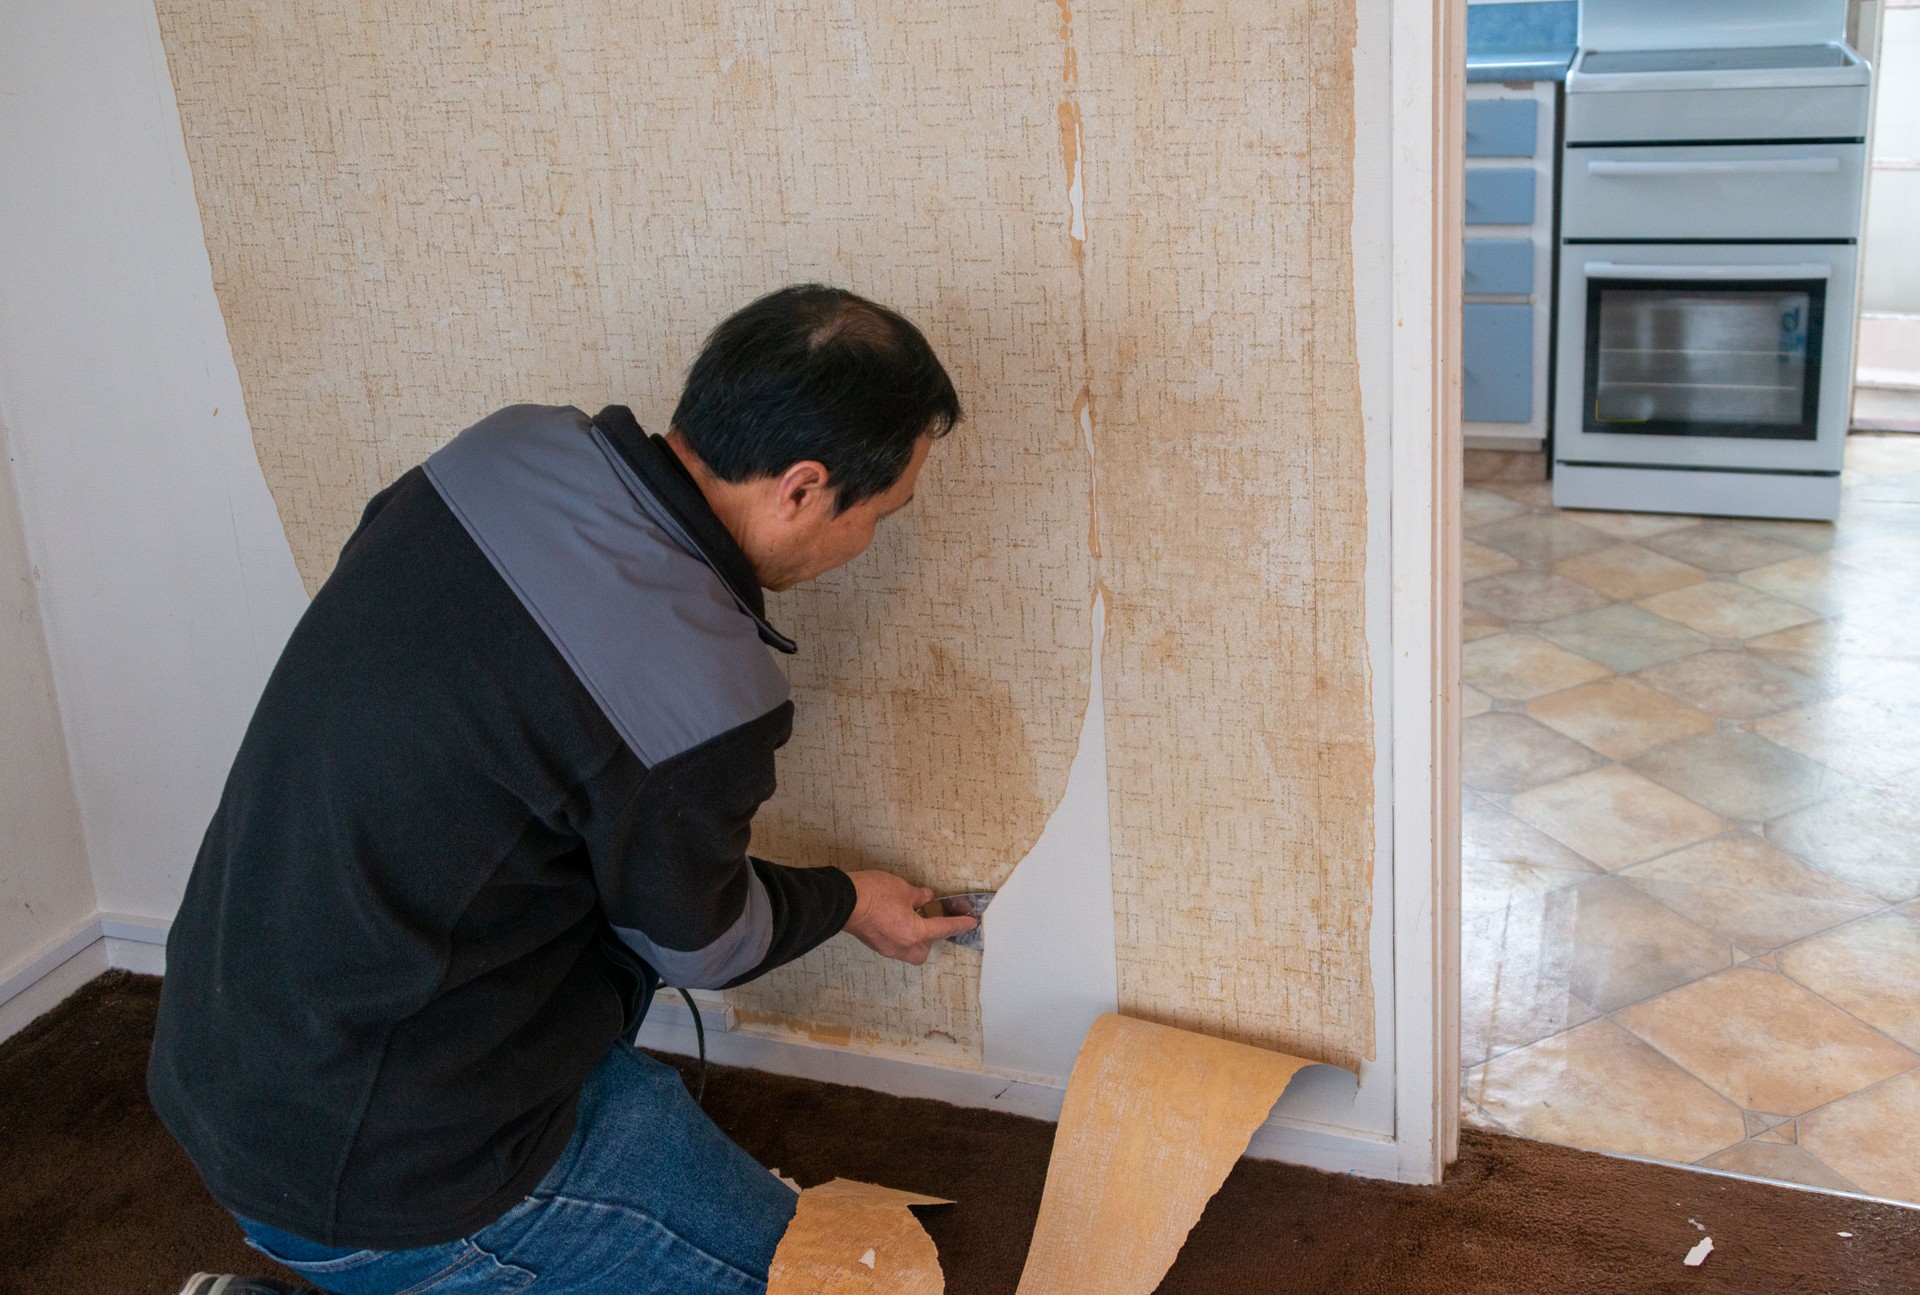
(1728, 355)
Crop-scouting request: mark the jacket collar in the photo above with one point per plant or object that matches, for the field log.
(674, 489)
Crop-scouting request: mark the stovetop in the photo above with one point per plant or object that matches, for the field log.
(1727, 67)
(1741, 59)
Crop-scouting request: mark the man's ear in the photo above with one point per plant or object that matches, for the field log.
(804, 486)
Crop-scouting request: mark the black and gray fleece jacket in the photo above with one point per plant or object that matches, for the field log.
(500, 780)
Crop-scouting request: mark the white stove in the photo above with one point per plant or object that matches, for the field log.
(1711, 184)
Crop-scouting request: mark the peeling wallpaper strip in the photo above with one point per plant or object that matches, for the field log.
(1126, 233)
(1218, 150)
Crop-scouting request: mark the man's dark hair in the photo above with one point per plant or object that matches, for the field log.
(812, 372)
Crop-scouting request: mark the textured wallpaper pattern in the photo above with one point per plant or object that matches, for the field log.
(1125, 228)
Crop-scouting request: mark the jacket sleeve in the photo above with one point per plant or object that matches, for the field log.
(669, 858)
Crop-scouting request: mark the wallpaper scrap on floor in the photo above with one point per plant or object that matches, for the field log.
(1127, 235)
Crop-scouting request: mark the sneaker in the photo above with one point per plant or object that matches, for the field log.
(228, 1284)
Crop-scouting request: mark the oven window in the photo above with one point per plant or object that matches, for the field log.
(1672, 358)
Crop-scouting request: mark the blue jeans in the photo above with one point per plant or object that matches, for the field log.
(649, 1198)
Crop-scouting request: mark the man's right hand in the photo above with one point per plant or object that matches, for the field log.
(886, 917)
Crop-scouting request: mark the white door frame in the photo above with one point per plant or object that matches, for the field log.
(1428, 141)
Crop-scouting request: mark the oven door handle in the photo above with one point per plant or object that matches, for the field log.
(1613, 270)
(1748, 166)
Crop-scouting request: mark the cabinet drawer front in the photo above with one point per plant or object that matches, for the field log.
(1502, 196)
(1713, 190)
(1497, 364)
(1499, 267)
(1502, 127)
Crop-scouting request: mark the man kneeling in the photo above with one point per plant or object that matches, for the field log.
(498, 790)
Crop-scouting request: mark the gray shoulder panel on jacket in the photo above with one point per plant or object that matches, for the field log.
(647, 626)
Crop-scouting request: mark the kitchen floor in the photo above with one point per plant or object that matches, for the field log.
(1691, 845)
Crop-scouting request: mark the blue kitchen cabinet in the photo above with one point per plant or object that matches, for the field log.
(1497, 363)
(1505, 272)
(1499, 267)
(1501, 197)
(1502, 127)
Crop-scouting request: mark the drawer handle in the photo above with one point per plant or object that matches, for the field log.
(1610, 270)
(1754, 166)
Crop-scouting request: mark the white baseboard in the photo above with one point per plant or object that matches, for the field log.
(1290, 1141)
(92, 945)
(50, 987)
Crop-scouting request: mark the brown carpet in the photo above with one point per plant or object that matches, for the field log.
(95, 1198)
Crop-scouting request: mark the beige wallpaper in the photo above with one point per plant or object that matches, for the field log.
(1233, 515)
(1126, 233)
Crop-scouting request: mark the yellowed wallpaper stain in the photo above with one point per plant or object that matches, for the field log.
(1126, 233)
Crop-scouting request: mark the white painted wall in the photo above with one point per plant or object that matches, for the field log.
(166, 583)
(1890, 275)
(45, 888)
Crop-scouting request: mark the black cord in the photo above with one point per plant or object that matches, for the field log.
(700, 1037)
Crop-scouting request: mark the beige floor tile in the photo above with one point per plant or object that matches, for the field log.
(1619, 717)
(1856, 733)
(1477, 561)
(1615, 816)
(1505, 465)
(1622, 637)
(1477, 623)
(1884, 563)
(1863, 518)
(1899, 487)
(1882, 455)
(1509, 891)
(1732, 685)
(1820, 647)
(1534, 494)
(1747, 891)
(1869, 839)
(1600, 1088)
(1629, 571)
(1764, 1042)
(1849, 655)
(1528, 595)
(1814, 537)
(1727, 610)
(1814, 580)
(1742, 775)
(1480, 507)
(1621, 947)
(1542, 537)
(1489, 833)
(1515, 667)
(1513, 986)
(1719, 546)
(1873, 1138)
(1630, 526)
(1870, 967)
(1473, 702)
(1473, 1117)
(1777, 1163)
(1503, 753)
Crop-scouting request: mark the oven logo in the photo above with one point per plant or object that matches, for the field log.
(1793, 334)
